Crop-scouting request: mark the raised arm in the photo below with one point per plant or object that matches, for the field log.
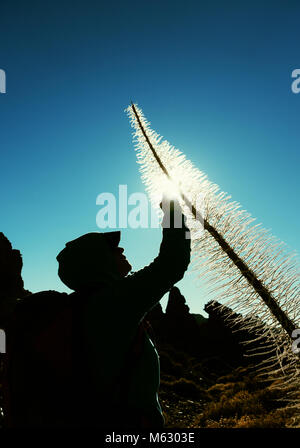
(146, 287)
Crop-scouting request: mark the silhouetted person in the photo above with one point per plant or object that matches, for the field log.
(111, 378)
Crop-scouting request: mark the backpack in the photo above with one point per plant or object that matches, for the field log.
(46, 383)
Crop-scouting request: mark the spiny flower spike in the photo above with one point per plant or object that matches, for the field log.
(253, 270)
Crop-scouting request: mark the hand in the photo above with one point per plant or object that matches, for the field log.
(172, 212)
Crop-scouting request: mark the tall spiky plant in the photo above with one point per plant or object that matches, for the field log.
(248, 267)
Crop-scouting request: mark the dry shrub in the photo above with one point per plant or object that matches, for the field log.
(235, 406)
(169, 366)
(219, 390)
(177, 356)
(276, 419)
(183, 387)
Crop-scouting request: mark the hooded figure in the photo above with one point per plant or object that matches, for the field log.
(116, 363)
(89, 260)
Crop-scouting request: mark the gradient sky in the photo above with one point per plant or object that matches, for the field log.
(214, 78)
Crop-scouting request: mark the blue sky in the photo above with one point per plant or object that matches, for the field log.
(213, 79)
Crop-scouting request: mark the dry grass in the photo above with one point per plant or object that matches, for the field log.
(191, 398)
(239, 400)
(183, 388)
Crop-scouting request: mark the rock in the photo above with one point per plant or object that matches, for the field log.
(177, 304)
(11, 282)
(178, 327)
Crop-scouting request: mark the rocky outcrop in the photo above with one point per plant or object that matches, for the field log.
(177, 307)
(176, 326)
(241, 334)
(213, 340)
(180, 325)
(11, 282)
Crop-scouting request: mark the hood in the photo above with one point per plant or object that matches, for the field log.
(88, 261)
